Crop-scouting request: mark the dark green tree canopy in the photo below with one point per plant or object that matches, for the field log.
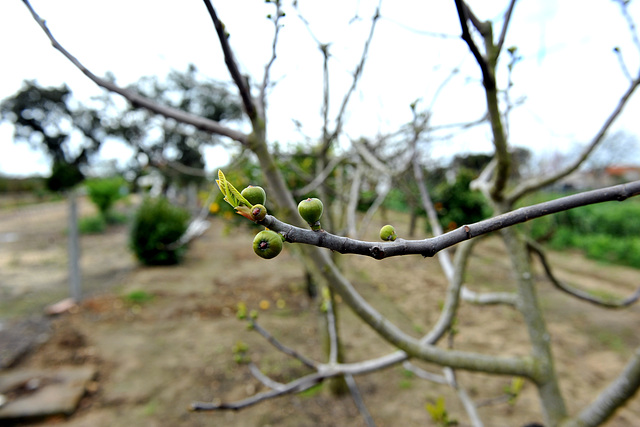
(161, 139)
(46, 118)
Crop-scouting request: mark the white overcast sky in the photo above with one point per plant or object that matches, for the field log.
(569, 74)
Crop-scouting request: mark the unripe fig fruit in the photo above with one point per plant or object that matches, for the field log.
(311, 211)
(254, 195)
(258, 212)
(267, 244)
(388, 233)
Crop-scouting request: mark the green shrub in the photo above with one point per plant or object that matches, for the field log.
(156, 225)
(92, 224)
(457, 204)
(605, 232)
(105, 192)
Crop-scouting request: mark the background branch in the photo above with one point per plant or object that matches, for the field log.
(585, 296)
(537, 183)
(232, 65)
(137, 100)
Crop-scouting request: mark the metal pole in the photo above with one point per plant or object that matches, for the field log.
(74, 248)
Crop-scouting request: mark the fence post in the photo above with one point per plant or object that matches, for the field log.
(74, 248)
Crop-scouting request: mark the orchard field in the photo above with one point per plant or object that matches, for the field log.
(163, 337)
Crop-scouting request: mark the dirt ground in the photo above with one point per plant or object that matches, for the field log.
(155, 357)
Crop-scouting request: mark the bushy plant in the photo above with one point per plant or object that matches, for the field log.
(92, 224)
(104, 193)
(156, 226)
(603, 232)
(457, 204)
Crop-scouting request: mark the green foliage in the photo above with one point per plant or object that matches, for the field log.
(138, 297)
(156, 225)
(513, 389)
(64, 176)
(105, 192)
(439, 413)
(46, 118)
(457, 204)
(35, 185)
(94, 224)
(240, 350)
(605, 232)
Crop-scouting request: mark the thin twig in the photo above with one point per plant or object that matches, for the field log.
(332, 329)
(232, 65)
(268, 382)
(283, 348)
(320, 178)
(505, 26)
(267, 67)
(356, 77)
(464, 15)
(425, 375)
(585, 296)
(469, 406)
(136, 99)
(492, 298)
(534, 184)
(357, 399)
(296, 386)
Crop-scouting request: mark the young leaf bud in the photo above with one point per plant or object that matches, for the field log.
(267, 244)
(311, 211)
(254, 195)
(258, 212)
(388, 233)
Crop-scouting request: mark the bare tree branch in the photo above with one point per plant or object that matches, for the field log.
(138, 100)
(356, 78)
(505, 26)
(611, 398)
(232, 65)
(431, 246)
(277, 344)
(267, 68)
(537, 183)
(464, 15)
(320, 177)
(469, 406)
(357, 399)
(268, 382)
(505, 298)
(585, 296)
(296, 386)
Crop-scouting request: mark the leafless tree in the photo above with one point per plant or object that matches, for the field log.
(496, 183)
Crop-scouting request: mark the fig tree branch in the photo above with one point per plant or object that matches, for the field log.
(431, 246)
(585, 296)
(281, 347)
(356, 78)
(505, 26)
(464, 15)
(232, 65)
(137, 100)
(537, 183)
(611, 398)
(267, 68)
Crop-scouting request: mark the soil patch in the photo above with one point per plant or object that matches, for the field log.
(161, 338)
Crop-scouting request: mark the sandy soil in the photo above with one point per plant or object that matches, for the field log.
(154, 358)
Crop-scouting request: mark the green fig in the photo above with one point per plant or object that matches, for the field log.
(388, 233)
(254, 195)
(258, 212)
(311, 211)
(267, 244)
